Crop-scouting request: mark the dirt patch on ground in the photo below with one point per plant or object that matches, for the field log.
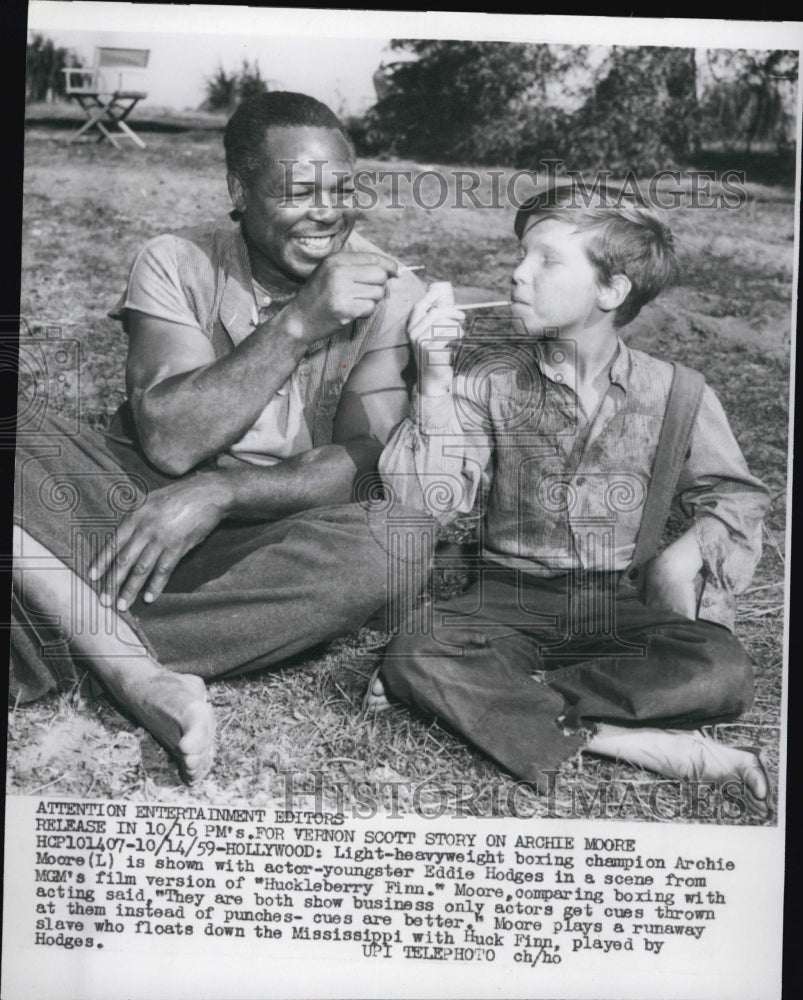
(69, 750)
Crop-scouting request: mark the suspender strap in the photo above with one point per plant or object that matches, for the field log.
(685, 395)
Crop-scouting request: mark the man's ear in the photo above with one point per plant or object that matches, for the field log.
(613, 294)
(236, 191)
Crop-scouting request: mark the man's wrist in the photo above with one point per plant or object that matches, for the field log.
(220, 490)
(289, 325)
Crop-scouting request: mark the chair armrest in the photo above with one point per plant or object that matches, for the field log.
(80, 70)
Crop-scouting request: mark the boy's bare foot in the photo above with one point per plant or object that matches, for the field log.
(174, 709)
(688, 755)
(376, 699)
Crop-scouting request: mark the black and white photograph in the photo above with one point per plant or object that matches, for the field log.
(401, 504)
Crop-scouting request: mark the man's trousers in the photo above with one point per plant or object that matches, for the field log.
(249, 596)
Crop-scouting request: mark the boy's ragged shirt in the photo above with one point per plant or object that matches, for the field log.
(565, 492)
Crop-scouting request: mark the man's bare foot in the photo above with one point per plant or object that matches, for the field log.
(173, 707)
(376, 699)
(688, 755)
(175, 711)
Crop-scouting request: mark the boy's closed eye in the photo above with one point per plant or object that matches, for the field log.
(547, 257)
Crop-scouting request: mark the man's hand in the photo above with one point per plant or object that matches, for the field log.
(344, 287)
(152, 539)
(433, 326)
(670, 576)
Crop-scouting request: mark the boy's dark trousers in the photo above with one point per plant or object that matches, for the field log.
(605, 656)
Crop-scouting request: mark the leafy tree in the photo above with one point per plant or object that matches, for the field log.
(519, 103)
(224, 90)
(744, 103)
(459, 100)
(43, 68)
(641, 113)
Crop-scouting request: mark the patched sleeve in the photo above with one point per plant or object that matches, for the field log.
(439, 458)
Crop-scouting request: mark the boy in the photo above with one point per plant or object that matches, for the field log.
(560, 426)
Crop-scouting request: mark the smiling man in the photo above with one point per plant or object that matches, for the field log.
(213, 530)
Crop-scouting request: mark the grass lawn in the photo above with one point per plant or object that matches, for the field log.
(89, 208)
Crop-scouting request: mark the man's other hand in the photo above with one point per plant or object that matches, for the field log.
(154, 538)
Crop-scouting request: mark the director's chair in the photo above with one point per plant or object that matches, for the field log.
(105, 104)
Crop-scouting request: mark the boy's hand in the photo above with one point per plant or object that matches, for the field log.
(433, 326)
(670, 577)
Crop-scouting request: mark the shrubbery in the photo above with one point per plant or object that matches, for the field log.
(44, 62)
(225, 90)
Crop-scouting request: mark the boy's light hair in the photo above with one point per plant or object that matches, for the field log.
(631, 238)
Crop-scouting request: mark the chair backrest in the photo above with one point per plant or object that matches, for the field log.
(106, 75)
(132, 58)
(113, 65)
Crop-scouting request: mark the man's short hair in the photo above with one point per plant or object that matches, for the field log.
(244, 139)
(631, 238)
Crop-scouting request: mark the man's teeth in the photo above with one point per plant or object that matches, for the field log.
(314, 241)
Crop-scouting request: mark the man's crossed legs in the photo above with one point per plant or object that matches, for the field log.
(249, 596)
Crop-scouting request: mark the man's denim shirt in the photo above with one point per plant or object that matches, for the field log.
(566, 493)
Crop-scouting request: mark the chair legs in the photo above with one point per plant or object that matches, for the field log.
(105, 115)
(127, 130)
